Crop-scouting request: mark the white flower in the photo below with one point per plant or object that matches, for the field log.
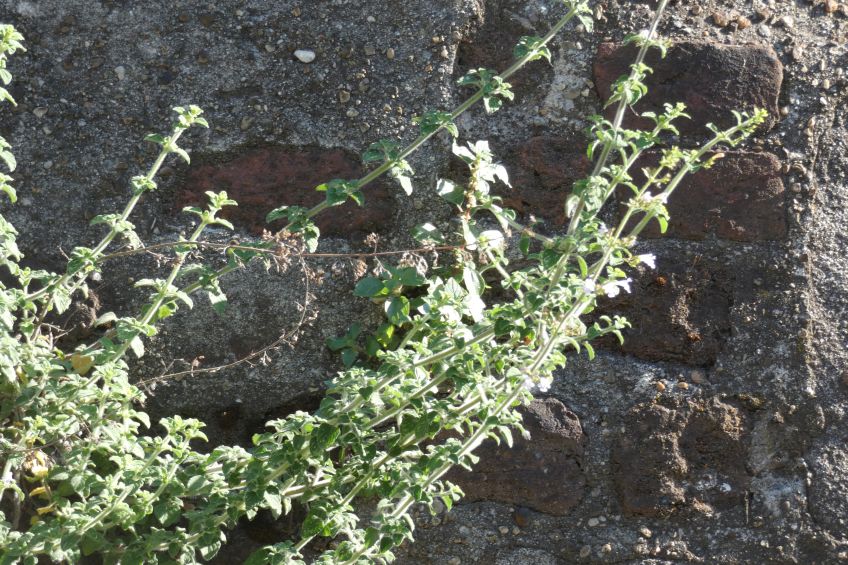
(649, 259)
(541, 384)
(613, 288)
(589, 286)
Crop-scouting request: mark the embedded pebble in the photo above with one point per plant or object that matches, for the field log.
(40, 112)
(720, 19)
(585, 551)
(121, 72)
(593, 522)
(305, 55)
(503, 530)
(390, 53)
(645, 532)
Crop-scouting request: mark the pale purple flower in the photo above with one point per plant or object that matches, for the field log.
(649, 259)
(589, 286)
(613, 288)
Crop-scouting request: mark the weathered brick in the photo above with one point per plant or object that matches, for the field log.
(262, 179)
(542, 170)
(692, 455)
(710, 78)
(544, 474)
(740, 198)
(491, 42)
(680, 312)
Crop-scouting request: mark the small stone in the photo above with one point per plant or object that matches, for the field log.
(444, 53)
(183, 17)
(344, 96)
(390, 53)
(504, 530)
(764, 30)
(720, 19)
(245, 123)
(585, 551)
(121, 72)
(296, 11)
(521, 517)
(351, 113)
(683, 385)
(516, 530)
(660, 386)
(454, 561)
(797, 52)
(697, 377)
(743, 22)
(40, 112)
(607, 548)
(646, 533)
(826, 84)
(370, 50)
(787, 21)
(593, 522)
(305, 55)
(269, 48)
(830, 6)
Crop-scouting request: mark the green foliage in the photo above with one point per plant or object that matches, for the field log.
(84, 474)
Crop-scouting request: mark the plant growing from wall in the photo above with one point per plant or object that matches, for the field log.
(80, 476)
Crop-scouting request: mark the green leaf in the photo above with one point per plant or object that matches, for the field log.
(370, 287)
(349, 357)
(427, 234)
(397, 310)
(274, 502)
(450, 192)
(9, 159)
(137, 346)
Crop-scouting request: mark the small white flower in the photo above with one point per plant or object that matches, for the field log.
(649, 259)
(544, 384)
(613, 288)
(589, 286)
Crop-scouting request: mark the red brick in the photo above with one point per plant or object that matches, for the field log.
(679, 312)
(740, 198)
(263, 179)
(542, 170)
(544, 474)
(692, 455)
(710, 78)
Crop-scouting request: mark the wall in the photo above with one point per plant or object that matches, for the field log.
(716, 434)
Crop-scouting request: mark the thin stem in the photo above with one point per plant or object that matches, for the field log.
(619, 115)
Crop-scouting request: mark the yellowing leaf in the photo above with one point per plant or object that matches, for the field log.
(81, 363)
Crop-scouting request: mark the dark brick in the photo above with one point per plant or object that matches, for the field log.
(691, 455)
(491, 42)
(710, 78)
(740, 198)
(542, 170)
(679, 312)
(262, 179)
(544, 474)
